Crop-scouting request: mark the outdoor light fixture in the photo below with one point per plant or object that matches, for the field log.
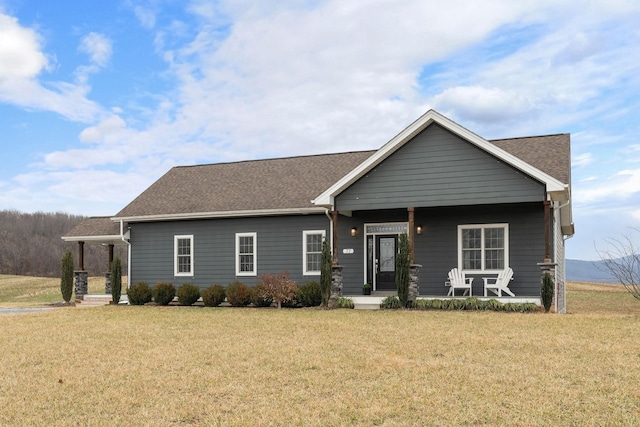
(419, 229)
(354, 231)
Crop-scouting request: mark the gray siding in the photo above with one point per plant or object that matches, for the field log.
(438, 168)
(437, 248)
(279, 246)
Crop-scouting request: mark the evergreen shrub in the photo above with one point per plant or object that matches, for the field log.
(547, 291)
(116, 280)
(309, 294)
(391, 301)
(213, 296)
(188, 294)
(66, 277)
(238, 294)
(163, 293)
(139, 293)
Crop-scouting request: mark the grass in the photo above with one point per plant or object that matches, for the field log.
(261, 367)
(25, 291)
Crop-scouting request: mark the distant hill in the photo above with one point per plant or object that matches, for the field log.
(31, 245)
(588, 271)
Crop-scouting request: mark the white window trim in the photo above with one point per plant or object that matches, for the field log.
(504, 226)
(306, 233)
(255, 254)
(175, 255)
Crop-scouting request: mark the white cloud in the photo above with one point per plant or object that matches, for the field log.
(21, 62)
(582, 160)
(98, 47)
(20, 55)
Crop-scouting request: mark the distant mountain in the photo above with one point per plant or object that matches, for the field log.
(588, 271)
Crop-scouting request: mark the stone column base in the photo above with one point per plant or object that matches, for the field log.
(336, 284)
(414, 286)
(82, 283)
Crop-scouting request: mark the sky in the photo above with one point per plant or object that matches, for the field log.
(100, 99)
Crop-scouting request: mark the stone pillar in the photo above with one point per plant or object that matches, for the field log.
(336, 284)
(82, 283)
(107, 283)
(414, 286)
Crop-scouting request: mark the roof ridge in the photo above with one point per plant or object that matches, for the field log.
(302, 156)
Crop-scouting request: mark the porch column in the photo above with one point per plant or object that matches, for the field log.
(547, 232)
(411, 211)
(334, 237)
(81, 255)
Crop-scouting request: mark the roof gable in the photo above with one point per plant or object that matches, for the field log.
(554, 186)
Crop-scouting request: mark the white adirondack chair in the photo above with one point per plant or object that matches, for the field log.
(458, 281)
(499, 284)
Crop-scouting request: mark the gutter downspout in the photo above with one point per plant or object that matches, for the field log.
(328, 215)
(128, 253)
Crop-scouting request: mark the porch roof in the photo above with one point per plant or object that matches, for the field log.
(97, 229)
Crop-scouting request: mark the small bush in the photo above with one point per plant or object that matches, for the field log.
(213, 296)
(238, 294)
(390, 302)
(309, 294)
(163, 293)
(139, 293)
(471, 303)
(343, 302)
(188, 294)
(279, 288)
(260, 296)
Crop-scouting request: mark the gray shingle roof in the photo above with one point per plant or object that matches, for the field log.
(285, 183)
(550, 153)
(291, 183)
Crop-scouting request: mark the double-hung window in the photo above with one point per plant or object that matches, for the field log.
(483, 247)
(312, 251)
(246, 254)
(183, 255)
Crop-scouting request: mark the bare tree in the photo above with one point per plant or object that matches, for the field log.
(622, 260)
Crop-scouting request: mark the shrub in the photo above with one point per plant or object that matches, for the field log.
(66, 278)
(279, 288)
(260, 296)
(471, 303)
(116, 280)
(139, 293)
(403, 261)
(325, 273)
(163, 293)
(188, 294)
(344, 302)
(213, 296)
(391, 301)
(309, 294)
(238, 294)
(547, 291)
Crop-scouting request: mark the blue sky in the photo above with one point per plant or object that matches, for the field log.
(99, 99)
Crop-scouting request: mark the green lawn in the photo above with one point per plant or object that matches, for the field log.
(242, 366)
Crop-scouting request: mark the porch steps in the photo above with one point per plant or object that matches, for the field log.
(96, 300)
(366, 302)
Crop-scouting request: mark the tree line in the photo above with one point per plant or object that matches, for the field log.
(31, 245)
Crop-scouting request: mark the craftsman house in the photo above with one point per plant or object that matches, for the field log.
(467, 203)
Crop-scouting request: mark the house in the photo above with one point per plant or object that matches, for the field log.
(464, 202)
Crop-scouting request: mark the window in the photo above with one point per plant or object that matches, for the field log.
(183, 255)
(246, 258)
(312, 251)
(483, 247)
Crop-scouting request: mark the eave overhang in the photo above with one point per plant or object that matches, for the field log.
(222, 214)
